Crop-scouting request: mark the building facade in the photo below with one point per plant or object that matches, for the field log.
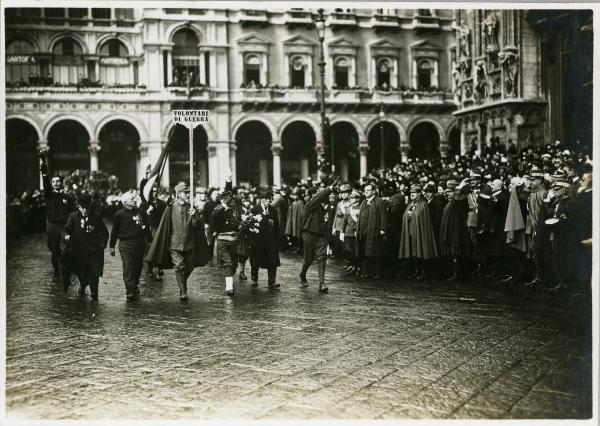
(524, 77)
(96, 87)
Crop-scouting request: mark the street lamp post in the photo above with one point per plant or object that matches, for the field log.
(320, 23)
(382, 153)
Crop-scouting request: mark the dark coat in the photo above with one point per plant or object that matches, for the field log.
(314, 213)
(159, 254)
(264, 246)
(85, 247)
(422, 241)
(436, 207)
(377, 221)
(295, 216)
(454, 235)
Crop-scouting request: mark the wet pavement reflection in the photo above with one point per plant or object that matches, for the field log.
(391, 349)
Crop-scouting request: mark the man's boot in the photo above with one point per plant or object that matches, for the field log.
(303, 282)
(537, 281)
(181, 282)
(321, 269)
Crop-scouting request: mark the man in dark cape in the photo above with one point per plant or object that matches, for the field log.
(370, 232)
(295, 216)
(417, 241)
(264, 245)
(161, 250)
(454, 235)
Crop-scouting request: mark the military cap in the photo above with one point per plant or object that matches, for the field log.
(562, 182)
(263, 192)
(430, 187)
(182, 187)
(486, 192)
(345, 188)
(451, 184)
(536, 172)
(415, 188)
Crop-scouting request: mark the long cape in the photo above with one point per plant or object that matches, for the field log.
(515, 226)
(159, 253)
(423, 240)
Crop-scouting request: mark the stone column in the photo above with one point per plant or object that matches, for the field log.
(93, 149)
(203, 67)
(363, 148)
(169, 67)
(444, 147)
(404, 148)
(233, 161)
(276, 150)
(344, 168)
(213, 165)
(463, 141)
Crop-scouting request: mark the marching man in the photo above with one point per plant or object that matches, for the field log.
(180, 241)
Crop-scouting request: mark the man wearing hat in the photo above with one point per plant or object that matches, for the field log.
(130, 227)
(454, 236)
(535, 201)
(226, 220)
(396, 204)
(436, 207)
(370, 232)
(295, 216)
(471, 188)
(348, 234)
(59, 205)
(264, 245)
(209, 206)
(552, 234)
(417, 241)
(340, 212)
(314, 235)
(180, 241)
(86, 237)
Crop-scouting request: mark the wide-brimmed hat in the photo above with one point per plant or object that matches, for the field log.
(263, 192)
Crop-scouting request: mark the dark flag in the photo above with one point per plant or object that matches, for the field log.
(156, 173)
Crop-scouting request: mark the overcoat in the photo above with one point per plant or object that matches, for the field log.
(436, 207)
(294, 219)
(159, 254)
(377, 221)
(86, 244)
(417, 232)
(454, 235)
(264, 246)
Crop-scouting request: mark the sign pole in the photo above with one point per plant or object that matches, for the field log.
(192, 194)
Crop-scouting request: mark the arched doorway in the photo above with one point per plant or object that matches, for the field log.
(179, 156)
(68, 143)
(21, 156)
(344, 138)
(424, 141)
(454, 142)
(119, 153)
(298, 157)
(253, 157)
(383, 134)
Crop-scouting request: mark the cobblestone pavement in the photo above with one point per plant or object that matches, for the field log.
(383, 350)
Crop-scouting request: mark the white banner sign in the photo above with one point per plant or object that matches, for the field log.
(20, 59)
(190, 117)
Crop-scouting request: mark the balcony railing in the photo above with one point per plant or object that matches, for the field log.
(75, 90)
(385, 21)
(342, 19)
(298, 17)
(253, 16)
(426, 21)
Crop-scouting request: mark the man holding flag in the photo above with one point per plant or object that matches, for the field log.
(180, 241)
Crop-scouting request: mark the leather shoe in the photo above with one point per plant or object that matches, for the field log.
(229, 292)
(183, 297)
(130, 297)
(274, 286)
(534, 283)
(94, 297)
(323, 288)
(507, 279)
(81, 290)
(254, 284)
(452, 278)
(242, 276)
(560, 286)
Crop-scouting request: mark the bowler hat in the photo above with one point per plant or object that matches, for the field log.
(263, 192)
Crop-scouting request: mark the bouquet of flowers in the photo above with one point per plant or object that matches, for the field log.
(250, 223)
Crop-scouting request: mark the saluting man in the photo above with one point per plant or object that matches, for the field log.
(59, 205)
(130, 227)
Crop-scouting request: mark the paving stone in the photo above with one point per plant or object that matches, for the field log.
(385, 350)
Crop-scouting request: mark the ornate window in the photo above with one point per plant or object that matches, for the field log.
(114, 63)
(383, 73)
(424, 70)
(297, 72)
(21, 63)
(68, 66)
(252, 71)
(342, 72)
(185, 59)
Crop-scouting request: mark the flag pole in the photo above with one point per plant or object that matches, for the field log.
(192, 194)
